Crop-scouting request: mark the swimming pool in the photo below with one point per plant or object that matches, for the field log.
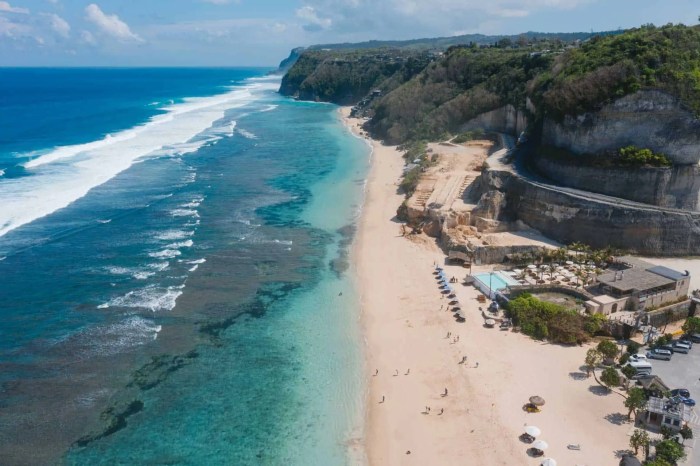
(497, 280)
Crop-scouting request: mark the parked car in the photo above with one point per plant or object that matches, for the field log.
(637, 357)
(684, 392)
(667, 347)
(695, 337)
(686, 401)
(660, 353)
(681, 348)
(686, 341)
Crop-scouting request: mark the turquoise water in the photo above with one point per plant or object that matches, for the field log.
(497, 281)
(195, 307)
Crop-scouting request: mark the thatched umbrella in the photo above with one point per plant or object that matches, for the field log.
(537, 400)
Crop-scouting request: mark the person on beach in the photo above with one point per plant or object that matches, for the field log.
(442, 410)
(382, 399)
(376, 372)
(408, 371)
(477, 365)
(445, 394)
(397, 373)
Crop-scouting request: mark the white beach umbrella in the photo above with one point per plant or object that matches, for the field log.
(532, 266)
(532, 431)
(548, 462)
(540, 445)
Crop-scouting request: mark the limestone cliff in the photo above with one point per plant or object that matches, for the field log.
(648, 118)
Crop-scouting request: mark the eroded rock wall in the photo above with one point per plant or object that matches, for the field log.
(505, 119)
(676, 187)
(566, 218)
(649, 119)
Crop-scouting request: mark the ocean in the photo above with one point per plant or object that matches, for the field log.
(174, 275)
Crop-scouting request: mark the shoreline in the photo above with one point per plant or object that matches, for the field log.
(404, 329)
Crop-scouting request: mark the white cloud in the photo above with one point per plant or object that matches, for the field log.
(111, 24)
(87, 38)
(5, 6)
(312, 21)
(59, 25)
(349, 20)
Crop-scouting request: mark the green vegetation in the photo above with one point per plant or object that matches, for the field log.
(593, 358)
(543, 320)
(636, 400)
(670, 450)
(627, 157)
(466, 82)
(606, 68)
(346, 76)
(686, 432)
(608, 349)
(636, 157)
(610, 378)
(692, 325)
(640, 439)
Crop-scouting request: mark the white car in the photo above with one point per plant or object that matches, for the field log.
(638, 357)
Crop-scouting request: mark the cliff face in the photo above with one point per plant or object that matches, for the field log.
(649, 119)
(568, 218)
(506, 119)
(345, 77)
(676, 187)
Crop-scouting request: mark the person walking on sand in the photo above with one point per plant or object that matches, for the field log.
(382, 399)
(445, 394)
(442, 410)
(376, 372)
(408, 371)
(477, 365)
(397, 373)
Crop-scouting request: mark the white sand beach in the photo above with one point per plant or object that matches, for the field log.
(405, 327)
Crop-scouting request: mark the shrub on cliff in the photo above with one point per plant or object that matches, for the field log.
(543, 320)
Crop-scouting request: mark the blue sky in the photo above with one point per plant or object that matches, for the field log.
(261, 32)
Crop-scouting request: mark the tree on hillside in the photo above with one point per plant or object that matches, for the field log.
(670, 450)
(608, 349)
(636, 400)
(639, 439)
(610, 378)
(593, 358)
(686, 432)
(692, 325)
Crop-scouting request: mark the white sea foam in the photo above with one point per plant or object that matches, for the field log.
(195, 267)
(247, 134)
(181, 244)
(2, 172)
(154, 298)
(184, 213)
(172, 235)
(196, 261)
(159, 266)
(118, 337)
(64, 174)
(165, 254)
(269, 108)
(107, 220)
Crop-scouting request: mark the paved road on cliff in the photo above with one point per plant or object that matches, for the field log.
(515, 160)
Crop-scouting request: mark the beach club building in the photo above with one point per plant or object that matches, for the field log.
(637, 285)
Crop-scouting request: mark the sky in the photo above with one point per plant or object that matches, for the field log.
(262, 32)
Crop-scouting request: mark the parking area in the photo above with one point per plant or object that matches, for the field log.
(683, 371)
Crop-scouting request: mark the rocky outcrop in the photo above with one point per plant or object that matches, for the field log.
(505, 119)
(568, 217)
(677, 187)
(649, 118)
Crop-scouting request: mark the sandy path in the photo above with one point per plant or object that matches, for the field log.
(405, 329)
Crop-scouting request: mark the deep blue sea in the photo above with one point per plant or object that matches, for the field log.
(174, 275)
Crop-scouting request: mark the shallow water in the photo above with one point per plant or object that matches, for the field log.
(198, 299)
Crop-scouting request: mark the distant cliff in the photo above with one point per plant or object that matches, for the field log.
(287, 63)
(345, 77)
